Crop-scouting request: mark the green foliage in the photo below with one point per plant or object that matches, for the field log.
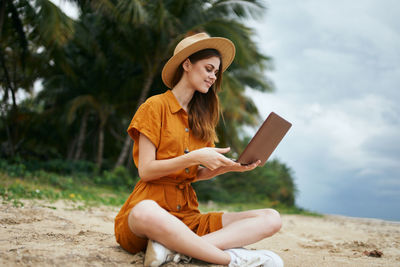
(273, 183)
(14, 170)
(60, 166)
(12, 190)
(83, 187)
(58, 180)
(118, 177)
(65, 175)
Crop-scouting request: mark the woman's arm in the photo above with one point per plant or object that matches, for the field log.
(150, 169)
(205, 174)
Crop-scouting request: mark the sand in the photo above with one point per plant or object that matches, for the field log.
(61, 234)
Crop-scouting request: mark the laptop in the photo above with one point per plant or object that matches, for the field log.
(264, 142)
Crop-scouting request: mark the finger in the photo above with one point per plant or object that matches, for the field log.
(251, 166)
(222, 150)
(254, 164)
(227, 161)
(211, 167)
(257, 163)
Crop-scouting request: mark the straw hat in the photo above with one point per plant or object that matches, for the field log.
(193, 44)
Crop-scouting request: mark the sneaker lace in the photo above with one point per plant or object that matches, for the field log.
(181, 258)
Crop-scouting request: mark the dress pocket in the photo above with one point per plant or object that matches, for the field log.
(171, 145)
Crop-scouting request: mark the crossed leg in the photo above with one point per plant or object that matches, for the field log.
(244, 228)
(148, 220)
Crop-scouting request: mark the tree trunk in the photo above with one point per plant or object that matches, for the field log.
(100, 147)
(81, 137)
(71, 149)
(2, 14)
(142, 98)
(11, 151)
(146, 88)
(8, 81)
(124, 151)
(128, 162)
(7, 88)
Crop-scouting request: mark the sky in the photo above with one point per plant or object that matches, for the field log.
(337, 79)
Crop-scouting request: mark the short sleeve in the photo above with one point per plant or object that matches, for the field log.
(147, 120)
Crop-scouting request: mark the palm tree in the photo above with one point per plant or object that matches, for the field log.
(25, 27)
(174, 19)
(115, 58)
(90, 104)
(93, 78)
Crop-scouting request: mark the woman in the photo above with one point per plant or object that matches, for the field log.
(174, 136)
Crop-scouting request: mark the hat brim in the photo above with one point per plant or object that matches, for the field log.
(224, 46)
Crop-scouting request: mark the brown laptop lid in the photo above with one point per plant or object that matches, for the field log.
(265, 140)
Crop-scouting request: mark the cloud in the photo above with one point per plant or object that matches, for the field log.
(356, 133)
(69, 8)
(349, 39)
(338, 78)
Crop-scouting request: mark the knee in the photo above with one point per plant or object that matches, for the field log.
(146, 216)
(272, 221)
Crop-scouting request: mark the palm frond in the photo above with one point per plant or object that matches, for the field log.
(78, 102)
(18, 27)
(242, 9)
(53, 25)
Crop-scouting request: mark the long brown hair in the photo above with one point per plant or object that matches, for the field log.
(203, 108)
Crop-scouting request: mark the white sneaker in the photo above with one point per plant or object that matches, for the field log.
(241, 257)
(273, 259)
(157, 254)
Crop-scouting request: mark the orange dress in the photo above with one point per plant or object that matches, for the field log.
(165, 123)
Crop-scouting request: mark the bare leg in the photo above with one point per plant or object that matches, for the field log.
(244, 228)
(148, 219)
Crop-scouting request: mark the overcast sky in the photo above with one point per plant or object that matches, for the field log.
(337, 77)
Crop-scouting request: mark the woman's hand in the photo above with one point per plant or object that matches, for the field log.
(212, 158)
(239, 167)
(206, 173)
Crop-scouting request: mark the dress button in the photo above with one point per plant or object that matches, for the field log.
(186, 129)
(187, 170)
(181, 186)
(186, 150)
(178, 207)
